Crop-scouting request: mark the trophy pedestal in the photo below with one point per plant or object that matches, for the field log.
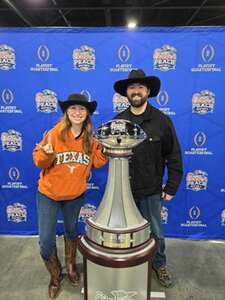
(117, 248)
(117, 273)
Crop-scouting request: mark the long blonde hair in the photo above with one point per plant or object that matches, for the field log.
(87, 130)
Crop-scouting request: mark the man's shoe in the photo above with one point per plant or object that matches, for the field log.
(164, 276)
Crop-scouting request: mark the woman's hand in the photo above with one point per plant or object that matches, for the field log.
(48, 148)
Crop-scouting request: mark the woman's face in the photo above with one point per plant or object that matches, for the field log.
(77, 114)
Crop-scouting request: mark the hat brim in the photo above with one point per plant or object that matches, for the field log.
(152, 82)
(91, 106)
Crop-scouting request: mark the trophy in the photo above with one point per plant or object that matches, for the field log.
(117, 248)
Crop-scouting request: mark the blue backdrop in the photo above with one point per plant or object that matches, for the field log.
(39, 66)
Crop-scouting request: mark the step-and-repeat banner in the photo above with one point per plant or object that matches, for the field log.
(40, 66)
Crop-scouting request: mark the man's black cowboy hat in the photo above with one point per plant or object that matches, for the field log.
(138, 76)
(80, 99)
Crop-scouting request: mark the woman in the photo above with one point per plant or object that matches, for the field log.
(66, 155)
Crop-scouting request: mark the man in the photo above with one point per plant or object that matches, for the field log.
(161, 149)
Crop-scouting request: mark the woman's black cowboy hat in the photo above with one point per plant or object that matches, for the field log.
(80, 99)
(138, 76)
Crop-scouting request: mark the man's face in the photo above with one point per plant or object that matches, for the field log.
(137, 94)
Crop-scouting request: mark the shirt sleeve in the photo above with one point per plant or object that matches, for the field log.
(173, 158)
(98, 159)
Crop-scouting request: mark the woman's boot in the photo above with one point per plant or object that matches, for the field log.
(55, 270)
(70, 260)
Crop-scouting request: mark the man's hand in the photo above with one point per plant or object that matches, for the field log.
(166, 197)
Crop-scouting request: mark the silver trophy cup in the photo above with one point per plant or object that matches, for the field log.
(117, 248)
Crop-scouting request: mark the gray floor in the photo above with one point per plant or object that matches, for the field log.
(198, 266)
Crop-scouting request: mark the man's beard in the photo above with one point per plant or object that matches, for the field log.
(137, 102)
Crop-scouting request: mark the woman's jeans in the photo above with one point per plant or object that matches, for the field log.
(150, 208)
(47, 221)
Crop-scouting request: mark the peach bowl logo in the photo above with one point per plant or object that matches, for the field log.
(84, 58)
(11, 140)
(7, 58)
(203, 102)
(117, 127)
(164, 215)
(194, 212)
(46, 101)
(43, 53)
(197, 180)
(223, 218)
(199, 138)
(120, 103)
(7, 96)
(208, 53)
(87, 211)
(124, 53)
(17, 213)
(164, 59)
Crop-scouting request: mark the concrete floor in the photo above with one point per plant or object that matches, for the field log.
(198, 266)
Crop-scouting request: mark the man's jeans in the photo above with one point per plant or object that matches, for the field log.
(150, 208)
(47, 221)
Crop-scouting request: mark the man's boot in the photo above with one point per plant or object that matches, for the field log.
(70, 260)
(55, 270)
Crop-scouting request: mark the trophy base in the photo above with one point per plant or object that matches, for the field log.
(117, 274)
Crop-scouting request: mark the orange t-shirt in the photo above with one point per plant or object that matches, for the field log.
(64, 174)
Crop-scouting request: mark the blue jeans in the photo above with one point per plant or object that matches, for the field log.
(150, 208)
(47, 221)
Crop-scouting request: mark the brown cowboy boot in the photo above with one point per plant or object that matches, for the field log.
(70, 258)
(54, 267)
(58, 262)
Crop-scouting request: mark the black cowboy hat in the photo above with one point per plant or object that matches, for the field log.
(80, 99)
(138, 76)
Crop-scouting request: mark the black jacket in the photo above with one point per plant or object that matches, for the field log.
(160, 149)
